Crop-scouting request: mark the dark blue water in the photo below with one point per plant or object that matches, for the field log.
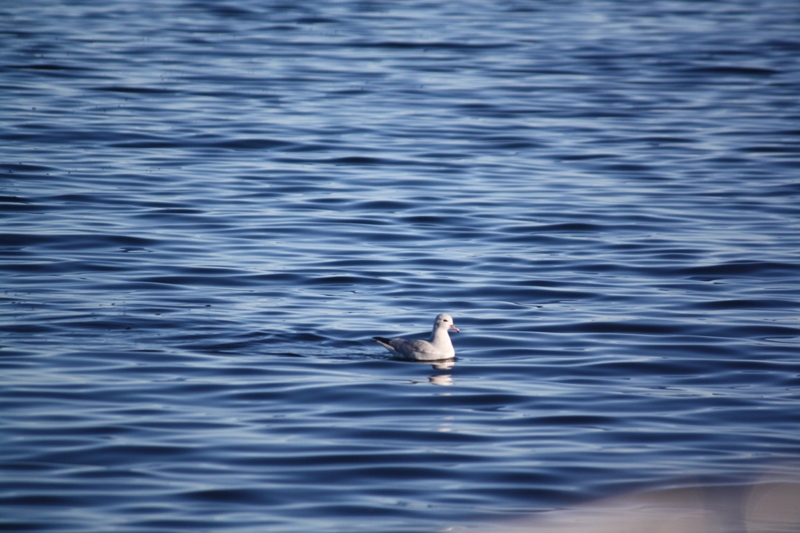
(210, 207)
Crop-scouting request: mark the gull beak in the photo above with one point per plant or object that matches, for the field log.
(454, 328)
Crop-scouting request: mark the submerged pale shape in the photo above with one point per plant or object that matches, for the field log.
(768, 505)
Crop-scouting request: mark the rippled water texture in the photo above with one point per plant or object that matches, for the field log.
(210, 207)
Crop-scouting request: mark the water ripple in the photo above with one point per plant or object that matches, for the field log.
(209, 210)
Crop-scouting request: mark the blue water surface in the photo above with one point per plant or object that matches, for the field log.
(210, 207)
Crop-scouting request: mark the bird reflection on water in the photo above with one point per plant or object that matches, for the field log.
(437, 378)
(443, 380)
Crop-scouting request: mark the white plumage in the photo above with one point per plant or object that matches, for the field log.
(438, 347)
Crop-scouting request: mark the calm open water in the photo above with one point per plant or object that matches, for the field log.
(210, 207)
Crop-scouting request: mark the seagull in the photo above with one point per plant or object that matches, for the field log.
(438, 347)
